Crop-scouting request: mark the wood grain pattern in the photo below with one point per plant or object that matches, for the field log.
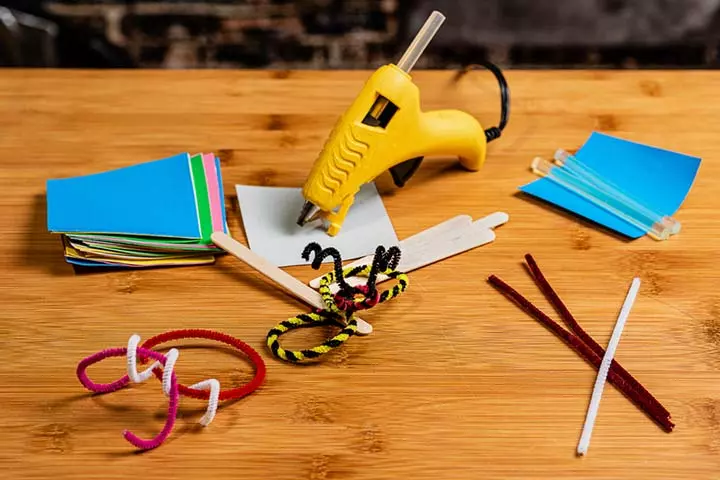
(455, 382)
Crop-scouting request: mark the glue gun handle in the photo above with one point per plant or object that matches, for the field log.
(453, 132)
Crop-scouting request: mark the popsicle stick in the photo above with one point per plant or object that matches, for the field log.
(436, 244)
(284, 280)
(448, 226)
(493, 220)
(415, 242)
(473, 237)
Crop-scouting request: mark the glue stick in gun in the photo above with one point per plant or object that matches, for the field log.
(384, 129)
(582, 181)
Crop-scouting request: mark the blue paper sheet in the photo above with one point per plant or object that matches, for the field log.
(659, 179)
(153, 199)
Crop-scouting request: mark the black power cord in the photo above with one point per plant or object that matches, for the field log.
(493, 132)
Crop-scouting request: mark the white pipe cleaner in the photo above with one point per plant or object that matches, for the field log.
(132, 372)
(212, 385)
(605, 368)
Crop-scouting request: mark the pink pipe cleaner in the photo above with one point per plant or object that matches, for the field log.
(174, 394)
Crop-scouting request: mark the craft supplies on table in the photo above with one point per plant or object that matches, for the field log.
(158, 213)
(628, 187)
(171, 212)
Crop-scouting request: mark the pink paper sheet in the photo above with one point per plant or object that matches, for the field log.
(211, 176)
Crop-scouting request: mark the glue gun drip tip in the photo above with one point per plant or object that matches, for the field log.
(309, 212)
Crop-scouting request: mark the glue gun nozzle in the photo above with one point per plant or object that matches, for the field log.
(309, 212)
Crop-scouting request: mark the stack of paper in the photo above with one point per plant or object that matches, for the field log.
(159, 213)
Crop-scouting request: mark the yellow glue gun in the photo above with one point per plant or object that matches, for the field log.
(383, 129)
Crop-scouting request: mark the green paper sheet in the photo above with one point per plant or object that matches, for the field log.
(202, 198)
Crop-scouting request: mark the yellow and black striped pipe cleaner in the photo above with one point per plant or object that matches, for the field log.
(341, 307)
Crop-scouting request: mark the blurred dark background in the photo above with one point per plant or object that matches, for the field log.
(357, 33)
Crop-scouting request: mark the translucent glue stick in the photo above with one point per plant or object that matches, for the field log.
(421, 41)
(653, 225)
(575, 166)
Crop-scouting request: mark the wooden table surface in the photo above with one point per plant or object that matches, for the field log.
(456, 382)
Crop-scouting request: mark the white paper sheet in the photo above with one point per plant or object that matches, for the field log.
(269, 215)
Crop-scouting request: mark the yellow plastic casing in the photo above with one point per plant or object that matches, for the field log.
(356, 153)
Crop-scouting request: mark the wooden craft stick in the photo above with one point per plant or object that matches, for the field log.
(284, 280)
(435, 244)
(414, 242)
(448, 226)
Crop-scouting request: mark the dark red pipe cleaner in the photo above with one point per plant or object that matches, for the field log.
(230, 394)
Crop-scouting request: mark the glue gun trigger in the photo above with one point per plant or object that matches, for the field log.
(402, 172)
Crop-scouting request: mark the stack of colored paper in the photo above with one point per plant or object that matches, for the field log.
(159, 213)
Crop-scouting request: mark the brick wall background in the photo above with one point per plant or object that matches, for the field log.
(363, 33)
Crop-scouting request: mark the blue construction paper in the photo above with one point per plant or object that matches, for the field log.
(153, 199)
(222, 194)
(657, 178)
